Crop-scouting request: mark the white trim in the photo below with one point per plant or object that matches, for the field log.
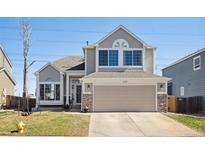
(124, 81)
(185, 58)
(120, 41)
(5, 55)
(76, 73)
(37, 91)
(154, 62)
(166, 87)
(121, 58)
(198, 68)
(67, 88)
(122, 27)
(156, 99)
(61, 89)
(85, 61)
(2, 69)
(143, 59)
(93, 98)
(161, 92)
(73, 91)
(48, 102)
(50, 82)
(48, 64)
(96, 59)
(182, 91)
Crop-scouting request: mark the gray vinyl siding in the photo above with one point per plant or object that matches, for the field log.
(183, 75)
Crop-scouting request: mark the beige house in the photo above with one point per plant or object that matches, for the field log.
(116, 74)
(7, 83)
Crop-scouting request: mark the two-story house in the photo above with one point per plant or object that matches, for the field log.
(115, 74)
(187, 76)
(7, 83)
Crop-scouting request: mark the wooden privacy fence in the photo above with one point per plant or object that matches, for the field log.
(187, 105)
(15, 102)
(172, 104)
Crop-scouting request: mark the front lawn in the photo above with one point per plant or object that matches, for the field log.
(192, 122)
(45, 124)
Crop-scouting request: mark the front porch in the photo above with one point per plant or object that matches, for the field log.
(73, 89)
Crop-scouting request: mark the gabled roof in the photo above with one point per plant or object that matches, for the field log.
(1, 48)
(185, 58)
(46, 65)
(125, 29)
(66, 64)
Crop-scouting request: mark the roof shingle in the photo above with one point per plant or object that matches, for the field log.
(70, 63)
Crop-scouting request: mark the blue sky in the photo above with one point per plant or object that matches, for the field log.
(54, 38)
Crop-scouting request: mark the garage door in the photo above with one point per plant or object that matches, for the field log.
(125, 98)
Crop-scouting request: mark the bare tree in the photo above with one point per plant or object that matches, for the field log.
(26, 37)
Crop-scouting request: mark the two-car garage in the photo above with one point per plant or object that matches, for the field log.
(124, 91)
(124, 98)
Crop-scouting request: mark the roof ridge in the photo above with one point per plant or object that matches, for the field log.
(186, 57)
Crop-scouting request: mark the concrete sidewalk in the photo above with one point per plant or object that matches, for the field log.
(127, 124)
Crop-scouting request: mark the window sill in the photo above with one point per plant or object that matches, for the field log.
(123, 66)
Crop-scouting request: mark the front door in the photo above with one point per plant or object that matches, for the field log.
(78, 93)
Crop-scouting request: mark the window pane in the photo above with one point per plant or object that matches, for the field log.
(41, 91)
(113, 57)
(52, 92)
(47, 91)
(57, 91)
(127, 56)
(197, 61)
(137, 57)
(103, 57)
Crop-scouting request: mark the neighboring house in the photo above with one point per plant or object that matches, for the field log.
(115, 74)
(188, 76)
(7, 83)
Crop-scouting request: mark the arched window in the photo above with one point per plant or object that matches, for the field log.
(120, 43)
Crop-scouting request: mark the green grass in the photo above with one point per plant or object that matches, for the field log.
(192, 122)
(45, 124)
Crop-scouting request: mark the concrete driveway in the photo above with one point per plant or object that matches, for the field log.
(137, 124)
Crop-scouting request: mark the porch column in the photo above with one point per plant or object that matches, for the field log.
(67, 88)
(61, 89)
(37, 90)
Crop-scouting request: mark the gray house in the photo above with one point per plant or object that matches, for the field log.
(115, 74)
(188, 76)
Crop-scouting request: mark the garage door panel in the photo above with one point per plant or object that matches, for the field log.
(125, 98)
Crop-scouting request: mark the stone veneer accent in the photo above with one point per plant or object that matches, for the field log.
(162, 102)
(87, 100)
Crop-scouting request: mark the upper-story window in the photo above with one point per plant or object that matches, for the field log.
(108, 57)
(132, 57)
(197, 63)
